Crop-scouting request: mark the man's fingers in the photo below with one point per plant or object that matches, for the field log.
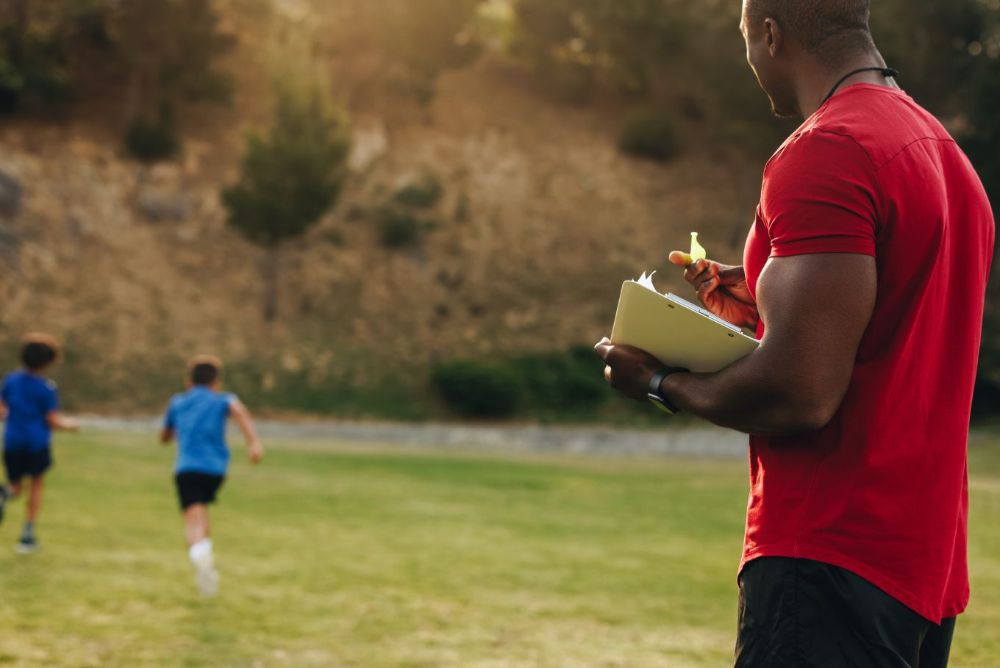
(706, 288)
(604, 348)
(606, 351)
(699, 272)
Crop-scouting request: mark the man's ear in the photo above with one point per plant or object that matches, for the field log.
(774, 38)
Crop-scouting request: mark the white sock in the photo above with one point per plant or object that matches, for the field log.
(201, 553)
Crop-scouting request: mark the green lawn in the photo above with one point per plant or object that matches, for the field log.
(339, 556)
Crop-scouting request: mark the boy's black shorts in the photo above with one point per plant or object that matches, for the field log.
(797, 613)
(31, 463)
(194, 488)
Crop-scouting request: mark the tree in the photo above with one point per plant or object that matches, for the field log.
(428, 37)
(289, 178)
(631, 41)
(166, 50)
(169, 50)
(983, 146)
(414, 41)
(35, 41)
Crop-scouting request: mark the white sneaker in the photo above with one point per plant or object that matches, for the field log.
(27, 545)
(205, 575)
(207, 579)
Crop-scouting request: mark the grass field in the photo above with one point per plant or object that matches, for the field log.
(338, 556)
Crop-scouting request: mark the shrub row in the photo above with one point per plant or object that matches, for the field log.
(650, 134)
(563, 384)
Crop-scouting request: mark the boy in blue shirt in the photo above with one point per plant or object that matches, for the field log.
(198, 418)
(30, 405)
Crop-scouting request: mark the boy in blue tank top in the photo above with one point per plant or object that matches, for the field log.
(197, 418)
(30, 405)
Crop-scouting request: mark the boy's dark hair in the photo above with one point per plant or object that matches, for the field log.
(204, 369)
(39, 351)
(832, 30)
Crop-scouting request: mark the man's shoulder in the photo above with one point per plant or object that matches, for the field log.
(882, 122)
(818, 148)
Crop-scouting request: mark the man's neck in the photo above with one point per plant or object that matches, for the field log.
(816, 81)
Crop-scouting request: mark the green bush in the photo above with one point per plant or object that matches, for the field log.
(422, 194)
(32, 66)
(650, 134)
(539, 385)
(563, 382)
(399, 229)
(566, 81)
(153, 139)
(425, 38)
(478, 389)
(986, 400)
(353, 393)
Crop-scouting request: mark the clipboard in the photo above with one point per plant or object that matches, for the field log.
(675, 331)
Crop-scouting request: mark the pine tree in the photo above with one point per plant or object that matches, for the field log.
(290, 177)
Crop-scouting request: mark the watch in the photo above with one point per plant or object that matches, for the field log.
(654, 395)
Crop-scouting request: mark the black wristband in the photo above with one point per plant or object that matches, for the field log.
(656, 397)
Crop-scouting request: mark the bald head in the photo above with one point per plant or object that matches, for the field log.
(832, 31)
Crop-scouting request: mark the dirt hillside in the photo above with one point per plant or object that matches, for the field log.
(540, 220)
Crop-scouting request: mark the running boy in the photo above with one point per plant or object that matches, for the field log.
(30, 404)
(198, 418)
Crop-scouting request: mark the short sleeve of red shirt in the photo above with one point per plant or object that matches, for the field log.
(820, 197)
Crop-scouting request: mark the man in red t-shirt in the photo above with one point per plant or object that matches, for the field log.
(864, 275)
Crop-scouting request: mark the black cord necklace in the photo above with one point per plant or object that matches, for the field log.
(887, 72)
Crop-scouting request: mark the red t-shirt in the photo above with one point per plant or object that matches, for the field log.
(882, 490)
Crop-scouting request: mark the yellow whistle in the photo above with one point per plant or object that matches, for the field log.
(698, 252)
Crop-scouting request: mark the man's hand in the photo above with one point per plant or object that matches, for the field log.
(817, 309)
(255, 452)
(628, 369)
(721, 288)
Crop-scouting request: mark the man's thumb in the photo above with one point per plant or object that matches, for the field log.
(680, 258)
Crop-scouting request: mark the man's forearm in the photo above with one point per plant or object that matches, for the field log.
(756, 395)
(817, 308)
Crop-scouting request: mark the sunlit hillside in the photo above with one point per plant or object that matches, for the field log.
(488, 207)
(539, 219)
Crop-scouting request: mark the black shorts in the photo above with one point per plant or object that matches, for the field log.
(21, 463)
(194, 488)
(806, 614)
